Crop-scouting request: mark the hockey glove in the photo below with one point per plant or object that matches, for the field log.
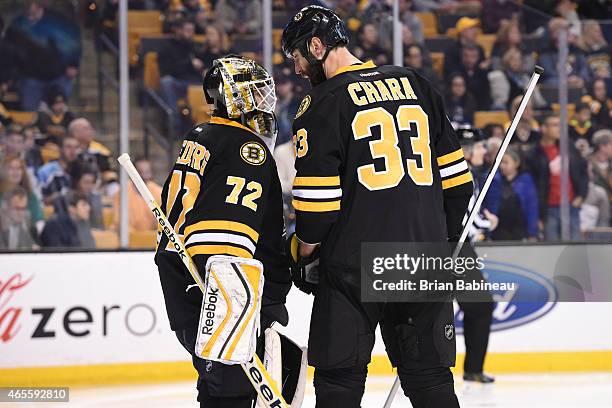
(304, 271)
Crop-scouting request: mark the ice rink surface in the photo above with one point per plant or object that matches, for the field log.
(510, 391)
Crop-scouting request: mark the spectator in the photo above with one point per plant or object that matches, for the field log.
(460, 103)
(16, 232)
(494, 130)
(33, 156)
(567, 10)
(581, 128)
(239, 16)
(54, 116)
(467, 31)
(286, 108)
(91, 152)
(55, 177)
(139, 215)
(71, 230)
(601, 160)
(497, 12)
(380, 13)
(600, 104)
(595, 211)
(413, 58)
(85, 184)
(509, 36)
(597, 50)
(508, 82)
(527, 134)
(8, 68)
(15, 144)
(180, 64)
(511, 82)
(476, 78)
(576, 66)
(518, 209)
(214, 46)
(192, 10)
(49, 51)
(474, 151)
(13, 175)
(368, 48)
(348, 11)
(545, 167)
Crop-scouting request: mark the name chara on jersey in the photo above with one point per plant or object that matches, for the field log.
(389, 89)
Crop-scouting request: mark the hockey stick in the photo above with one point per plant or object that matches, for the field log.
(255, 371)
(537, 72)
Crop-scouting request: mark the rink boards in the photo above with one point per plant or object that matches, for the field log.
(87, 318)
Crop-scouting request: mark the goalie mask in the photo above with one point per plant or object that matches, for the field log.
(242, 90)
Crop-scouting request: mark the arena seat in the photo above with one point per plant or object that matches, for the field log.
(200, 110)
(430, 23)
(437, 62)
(151, 75)
(277, 35)
(486, 41)
(483, 118)
(105, 239)
(571, 109)
(143, 239)
(22, 117)
(140, 24)
(108, 217)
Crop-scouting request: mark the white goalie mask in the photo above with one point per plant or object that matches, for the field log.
(246, 92)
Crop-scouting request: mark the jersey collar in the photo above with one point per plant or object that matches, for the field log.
(356, 67)
(216, 120)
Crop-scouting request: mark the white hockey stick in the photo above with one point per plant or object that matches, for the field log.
(537, 72)
(255, 371)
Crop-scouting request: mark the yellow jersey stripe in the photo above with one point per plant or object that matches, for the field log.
(205, 249)
(216, 120)
(451, 157)
(316, 206)
(323, 181)
(223, 225)
(455, 181)
(356, 67)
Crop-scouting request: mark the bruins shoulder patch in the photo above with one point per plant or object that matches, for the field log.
(253, 153)
(303, 106)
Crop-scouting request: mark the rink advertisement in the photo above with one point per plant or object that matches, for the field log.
(97, 316)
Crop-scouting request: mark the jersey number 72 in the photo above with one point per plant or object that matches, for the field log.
(387, 146)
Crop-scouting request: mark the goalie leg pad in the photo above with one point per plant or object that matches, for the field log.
(287, 364)
(229, 318)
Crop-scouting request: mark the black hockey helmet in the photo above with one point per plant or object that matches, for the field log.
(313, 21)
(469, 135)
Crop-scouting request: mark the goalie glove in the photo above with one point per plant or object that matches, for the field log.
(304, 271)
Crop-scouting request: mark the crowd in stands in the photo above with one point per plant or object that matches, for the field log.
(58, 184)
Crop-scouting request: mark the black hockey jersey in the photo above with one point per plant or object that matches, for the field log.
(223, 196)
(377, 161)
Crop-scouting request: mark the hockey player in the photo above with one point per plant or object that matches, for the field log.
(478, 306)
(376, 160)
(224, 197)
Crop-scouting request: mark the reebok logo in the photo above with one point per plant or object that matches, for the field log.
(210, 306)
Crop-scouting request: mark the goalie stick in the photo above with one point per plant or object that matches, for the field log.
(537, 72)
(255, 371)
